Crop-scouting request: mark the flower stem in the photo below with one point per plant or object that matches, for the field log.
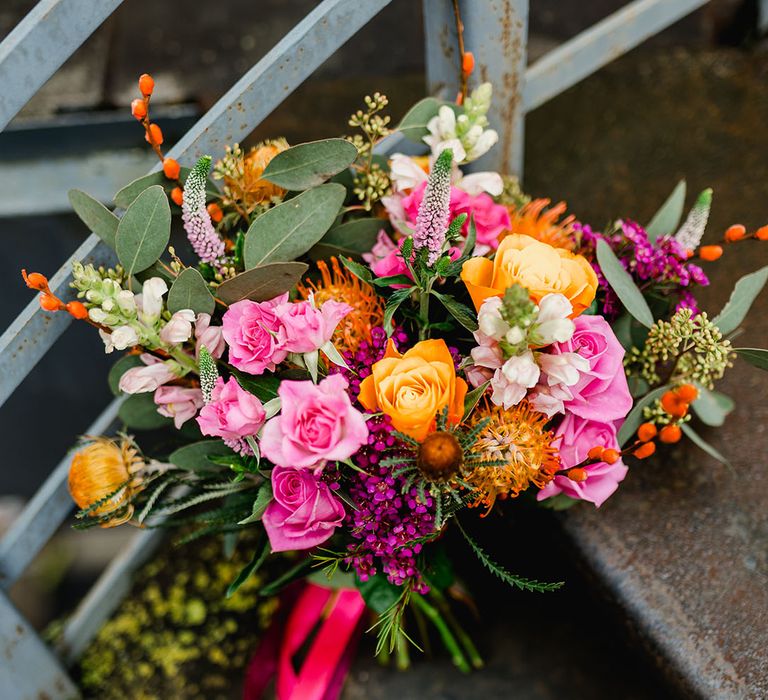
(457, 655)
(402, 657)
(466, 641)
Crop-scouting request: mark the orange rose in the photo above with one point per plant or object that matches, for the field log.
(537, 266)
(413, 388)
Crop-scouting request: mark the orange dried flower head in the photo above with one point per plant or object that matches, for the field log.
(242, 173)
(109, 471)
(534, 219)
(518, 449)
(340, 284)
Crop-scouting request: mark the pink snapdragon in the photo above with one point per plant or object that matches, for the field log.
(232, 413)
(307, 328)
(208, 336)
(153, 374)
(178, 402)
(304, 512)
(577, 437)
(254, 331)
(317, 423)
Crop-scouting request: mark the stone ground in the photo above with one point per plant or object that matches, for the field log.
(682, 545)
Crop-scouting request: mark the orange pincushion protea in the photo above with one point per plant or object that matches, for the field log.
(535, 220)
(242, 173)
(341, 285)
(110, 471)
(519, 450)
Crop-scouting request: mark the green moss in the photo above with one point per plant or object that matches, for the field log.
(177, 635)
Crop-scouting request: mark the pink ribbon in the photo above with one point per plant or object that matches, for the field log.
(321, 677)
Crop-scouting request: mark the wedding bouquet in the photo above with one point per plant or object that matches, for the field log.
(352, 352)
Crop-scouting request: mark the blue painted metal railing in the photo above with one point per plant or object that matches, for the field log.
(496, 31)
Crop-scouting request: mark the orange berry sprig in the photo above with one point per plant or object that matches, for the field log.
(49, 301)
(153, 134)
(733, 234)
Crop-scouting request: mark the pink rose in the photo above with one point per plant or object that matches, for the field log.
(385, 259)
(178, 402)
(304, 512)
(601, 392)
(232, 413)
(209, 336)
(155, 373)
(307, 328)
(316, 423)
(490, 218)
(577, 437)
(252, 330)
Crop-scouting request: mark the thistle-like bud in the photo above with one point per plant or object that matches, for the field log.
(206, 243)
(434, 216)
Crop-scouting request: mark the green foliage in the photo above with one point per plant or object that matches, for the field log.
(350, 239)
(472, 397)
(744, 293)
(389, 627)
(259, 557)
(392, 305)
(197, 455)
(290, 229)
(712, 407)
(310, 164)
(414, 124)
(524, 584)
(144, 230)
(462, 313)
(559, 502)
(360, 271)
(264, 386)
(697, 440)
(118, 369)
(262, 500)
(635, 417)
(755, 356)
(622, 283)
(667, 218)
(378, 593)
(95, 216)
(139, 412)
(190, 291)
(262, 283)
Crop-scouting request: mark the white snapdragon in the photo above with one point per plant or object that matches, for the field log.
(513, 379)
(179, 328)
(553, 323)
(489, 319)
(151, 299)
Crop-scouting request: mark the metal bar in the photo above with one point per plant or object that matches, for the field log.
(105, 595)
(40, 44)
(497, 34)
(44, 513)
(28, 669)
(602, 43)
(277, 75)
(441, 51)
(237, 113)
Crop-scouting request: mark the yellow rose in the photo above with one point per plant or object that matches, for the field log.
(413, 388)
(537, 266)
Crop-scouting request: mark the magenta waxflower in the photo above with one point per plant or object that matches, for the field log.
(232, 413)
(577, 437)
(304, 512)
(254, 333)
(307, 328)
(434, 216)
(206, 242)
(317, 423)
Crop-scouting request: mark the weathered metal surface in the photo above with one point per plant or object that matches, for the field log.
(28, 669)
(44, 513)
(41, 43)
(106, 594)
(683, 545)
(605, 41)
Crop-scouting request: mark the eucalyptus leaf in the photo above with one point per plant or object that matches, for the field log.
(622, 283)
(262, 283)
(414, 124)
(635, 418)
(310, 164)
(95, 216)
(290, 229)
(139, 412)
(700, 442)
(350, 239)
(462, 313)
(755, 356)
(744, 293)
(120, 367)
(144, 230)
(712, 407)
(190, 291)
(667, 218)
(195, 456)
